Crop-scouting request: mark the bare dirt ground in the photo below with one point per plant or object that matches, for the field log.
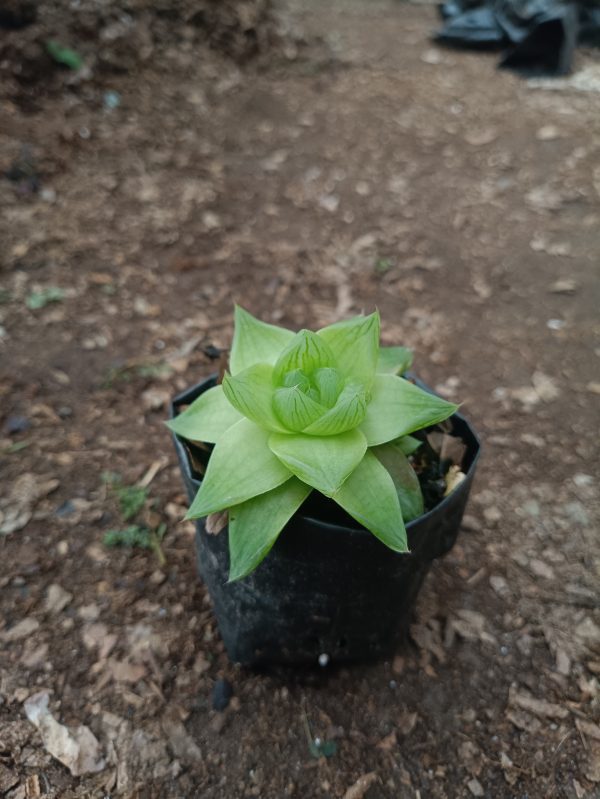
(365, 168)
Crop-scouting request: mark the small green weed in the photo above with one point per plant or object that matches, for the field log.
(128, 372)
(140, 537)
(63, 55)
(39, 299)
(383, 265)
(132, 500)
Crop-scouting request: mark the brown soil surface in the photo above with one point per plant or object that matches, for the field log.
(365, 168)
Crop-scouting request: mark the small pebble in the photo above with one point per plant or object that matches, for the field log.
(66, 509)
(111, 100)
(16, 424)
(323, 659)
(221, 694)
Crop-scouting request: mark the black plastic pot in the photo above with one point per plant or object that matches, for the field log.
(328, 586)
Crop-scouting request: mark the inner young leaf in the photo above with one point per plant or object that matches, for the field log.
(306, 352)
(295, 409)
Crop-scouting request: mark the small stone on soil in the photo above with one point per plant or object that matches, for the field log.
(221, 694)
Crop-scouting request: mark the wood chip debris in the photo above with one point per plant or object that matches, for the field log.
(361, 786)
(475, 787)
(588, 729)
(539, 707)
(470, 625)
(22, 629)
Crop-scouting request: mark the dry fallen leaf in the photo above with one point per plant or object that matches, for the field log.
(215, 522)
(565, 286)
(388, 743)
(449, 448)
(183, 745)
(407, 722)
(57, 598)
(453, 478)
(545, 386)
(17, 507)
(153, 399)
(123, 671)
(97, 635)
(76, 748)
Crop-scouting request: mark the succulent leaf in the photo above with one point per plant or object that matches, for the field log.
(255, 341)
(240, 467)
(347, 413)
(295, 409)
(207, 418)
(251, 393)
(394, 360)
(255, 525)
(321, 462)
(405, 480)
(370, 497)
(306, 352)
(398, 407)
(355, 345)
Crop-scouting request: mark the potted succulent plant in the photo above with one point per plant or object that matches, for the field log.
(307, 445)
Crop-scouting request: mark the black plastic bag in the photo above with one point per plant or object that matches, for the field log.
(538, 36)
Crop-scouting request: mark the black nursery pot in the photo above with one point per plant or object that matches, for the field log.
(328, 586)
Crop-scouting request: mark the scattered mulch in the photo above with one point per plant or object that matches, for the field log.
(374, 170)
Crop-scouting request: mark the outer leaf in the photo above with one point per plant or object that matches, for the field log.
(408, 444)
(255, 341)
(255, 525)
(251, 393)
(394, 360)
(346, 414)
(295, 409)
(240, 467)
(404, 477)
(370, 497)
(207, 418)
(307, 352)
(323, 463)
(355, 344)
(398, 407)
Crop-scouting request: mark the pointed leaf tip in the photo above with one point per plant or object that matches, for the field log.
(255, 341)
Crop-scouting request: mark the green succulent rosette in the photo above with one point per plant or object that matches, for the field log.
(300, 411)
